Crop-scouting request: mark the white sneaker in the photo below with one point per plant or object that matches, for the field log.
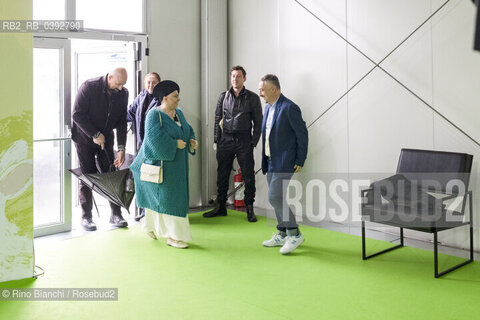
(276, 241)
(291, 243)
(177, 243)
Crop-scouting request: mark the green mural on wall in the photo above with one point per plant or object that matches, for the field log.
(16, 145)
(16, 209)
(16, 189)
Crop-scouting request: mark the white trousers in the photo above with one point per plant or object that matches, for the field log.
(167, 226)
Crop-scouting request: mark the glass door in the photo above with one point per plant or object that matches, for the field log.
(94, 58)
(51, 144)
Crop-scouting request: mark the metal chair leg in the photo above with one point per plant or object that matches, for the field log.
(435, 253)
(364, 254)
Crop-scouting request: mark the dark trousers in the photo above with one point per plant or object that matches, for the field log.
(229, 147)
(93, 160)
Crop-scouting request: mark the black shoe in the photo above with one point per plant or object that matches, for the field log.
(88, 224)
(250, 214)
(140, 215)
(118, 221)
(220, 210)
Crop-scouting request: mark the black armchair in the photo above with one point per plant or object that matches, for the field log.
(419, 197)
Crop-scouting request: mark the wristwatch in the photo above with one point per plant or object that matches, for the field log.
(96, 135)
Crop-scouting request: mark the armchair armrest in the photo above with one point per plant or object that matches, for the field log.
(456, 196)
(453, 196)
(363, 191)
(366, 193)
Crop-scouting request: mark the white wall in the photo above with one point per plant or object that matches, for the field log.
(215, 79)
(174, 29)
(366, 129)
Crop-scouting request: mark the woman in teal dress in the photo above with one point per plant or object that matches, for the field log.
(169, 139)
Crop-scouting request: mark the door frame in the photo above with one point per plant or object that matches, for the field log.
(57, 40)
(65, 141)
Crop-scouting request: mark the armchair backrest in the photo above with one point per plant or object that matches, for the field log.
(441, 167)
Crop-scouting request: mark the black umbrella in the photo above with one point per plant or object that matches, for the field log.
(116, 186)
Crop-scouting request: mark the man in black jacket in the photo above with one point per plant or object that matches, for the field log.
(100, 107)
(238, 125)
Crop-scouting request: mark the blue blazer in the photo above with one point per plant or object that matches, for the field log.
(288, 137)
(134, 114)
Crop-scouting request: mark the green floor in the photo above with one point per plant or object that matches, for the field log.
(227, 274)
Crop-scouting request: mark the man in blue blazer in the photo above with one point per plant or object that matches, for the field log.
(285, 144)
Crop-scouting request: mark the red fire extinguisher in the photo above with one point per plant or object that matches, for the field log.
(239, 192)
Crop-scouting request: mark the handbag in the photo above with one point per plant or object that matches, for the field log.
(151, 172)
